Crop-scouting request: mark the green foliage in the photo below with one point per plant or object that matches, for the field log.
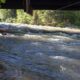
(23, 17)
(2, 1)
(42, 17)
(5, 14)
(10, 20)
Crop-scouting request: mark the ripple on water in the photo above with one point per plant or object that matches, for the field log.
(39, 60)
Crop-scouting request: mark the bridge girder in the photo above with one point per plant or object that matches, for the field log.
(29, 5)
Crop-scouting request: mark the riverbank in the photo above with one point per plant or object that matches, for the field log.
(7, 26)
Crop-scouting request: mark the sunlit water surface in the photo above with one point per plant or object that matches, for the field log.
(39, 57)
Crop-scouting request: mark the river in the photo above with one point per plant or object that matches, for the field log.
(39, 56)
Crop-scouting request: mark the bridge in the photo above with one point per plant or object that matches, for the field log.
(30, 5)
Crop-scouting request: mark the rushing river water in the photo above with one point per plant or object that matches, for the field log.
(39, 57)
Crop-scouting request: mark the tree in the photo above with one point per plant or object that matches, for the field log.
(35, 17)
(7, 13)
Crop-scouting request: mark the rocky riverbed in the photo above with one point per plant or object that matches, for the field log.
(38, 55)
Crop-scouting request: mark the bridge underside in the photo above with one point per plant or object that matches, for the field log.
(29, 5)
